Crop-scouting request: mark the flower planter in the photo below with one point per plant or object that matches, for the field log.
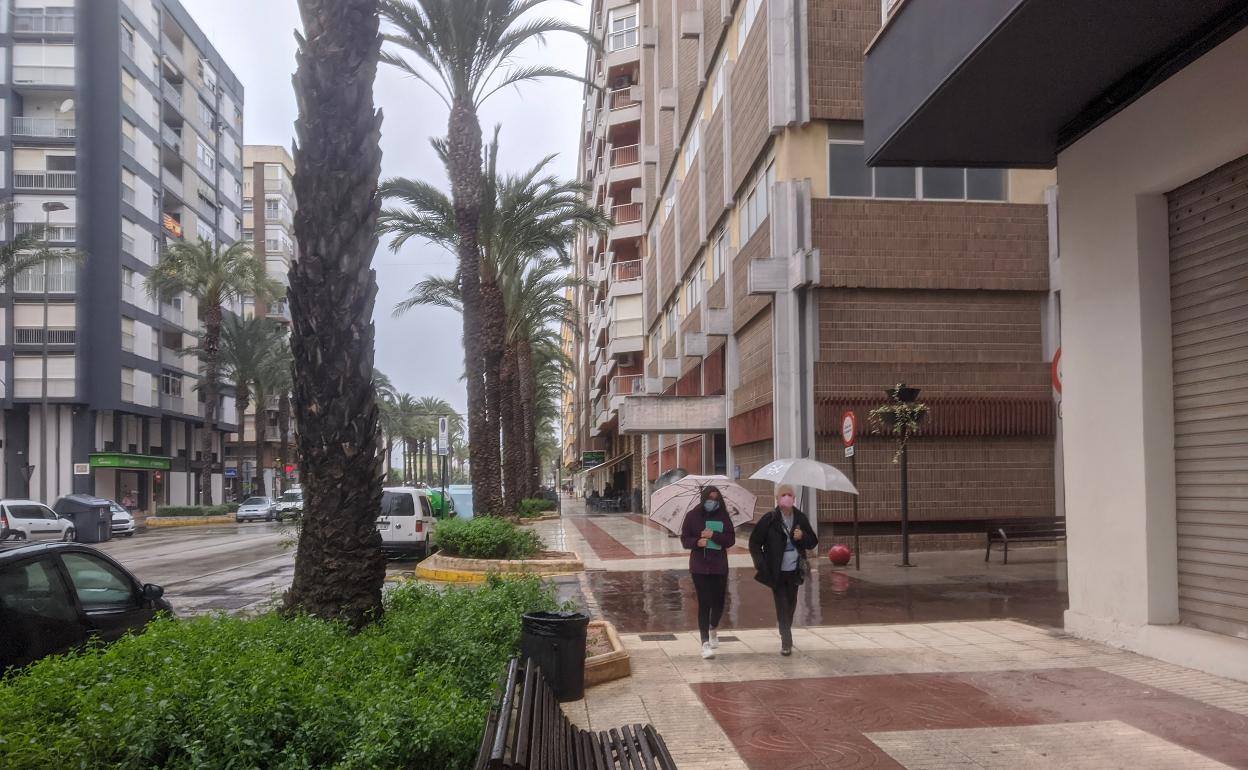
(455, 569)
(607, 666)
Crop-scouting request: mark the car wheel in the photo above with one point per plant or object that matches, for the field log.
(69, 536)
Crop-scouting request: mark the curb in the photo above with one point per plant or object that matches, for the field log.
(448, 569)
(536, 519)
(157, 522)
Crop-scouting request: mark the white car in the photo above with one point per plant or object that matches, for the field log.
(256, 509)
(123, 520)
(290, 504)
(405, 522)
(29, 520)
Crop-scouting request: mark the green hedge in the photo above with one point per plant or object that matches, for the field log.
(532, 507)
(196, 510)
(213, 692)
(486, 538)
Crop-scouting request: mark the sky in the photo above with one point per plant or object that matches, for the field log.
(421, 351)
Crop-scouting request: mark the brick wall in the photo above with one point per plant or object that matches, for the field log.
(687, 207)
(650, 291)
(746, 306)
(950, 479)
(750, 121)
(937, 245)
(712, 28)
(667, 260)
(689, 455)
(754, 359)
(713, 158)
(687, 69)
(713, 373)
(839, 31)
(665, 54)
(691, 324)
(716, 293)
(751, 457)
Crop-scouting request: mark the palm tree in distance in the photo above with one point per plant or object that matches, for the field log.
(247, 346)
(339, 569)
(463, 51)
(215, 277)
(26, 249)
(272, 378)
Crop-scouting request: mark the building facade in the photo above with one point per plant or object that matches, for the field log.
(760, 280)
(268, 225)
(123, 131)
(1145, 126)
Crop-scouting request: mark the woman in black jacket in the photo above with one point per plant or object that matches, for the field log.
(778, 546)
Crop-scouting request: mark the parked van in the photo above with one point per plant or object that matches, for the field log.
(406, 520)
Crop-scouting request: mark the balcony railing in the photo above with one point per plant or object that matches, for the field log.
(172, 94)
(627, 155)
(34, 336)
(622, 98)
(127, 244)
(170, 403)
(129, 294)
(45, 180)
(127, 144)
(171, 313)
(45, 128)
(626, 213)
(172, 183)
(170, 356)
(171, 138)
(626, 271)
(173, 51)
(39, 21)
(52, 233)
(127, 194)
(627, 384)
(43, 76)
(62, 278)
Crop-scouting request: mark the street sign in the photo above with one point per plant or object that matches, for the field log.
(231, 473)
(849, 450)
(849, 429)
(82, 469)
(1057, 371)
(444, 436)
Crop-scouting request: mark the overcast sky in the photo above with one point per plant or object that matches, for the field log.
(421, 351)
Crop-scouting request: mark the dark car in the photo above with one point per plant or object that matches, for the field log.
(57, 596)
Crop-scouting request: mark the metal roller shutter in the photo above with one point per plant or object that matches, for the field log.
(1209, 321)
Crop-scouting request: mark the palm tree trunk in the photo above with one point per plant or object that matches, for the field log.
(339, 569)
(283, 420)
(242, 401)
(429, 461)
(262, 426)
(513, 453)
(464, 165)
(527, 383)
(212, 387)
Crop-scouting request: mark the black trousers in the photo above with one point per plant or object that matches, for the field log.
(711, 591)
(785, 594)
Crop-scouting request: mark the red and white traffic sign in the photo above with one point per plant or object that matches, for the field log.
(849, 428)
(1057, 371)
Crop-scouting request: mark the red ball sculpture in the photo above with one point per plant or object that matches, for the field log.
(839, 555)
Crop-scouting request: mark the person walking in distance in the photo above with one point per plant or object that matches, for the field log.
(778, 546)
(708, 534)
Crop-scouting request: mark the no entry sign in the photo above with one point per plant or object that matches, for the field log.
(849, 428)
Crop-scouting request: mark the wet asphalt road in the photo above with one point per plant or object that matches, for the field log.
(233, 568)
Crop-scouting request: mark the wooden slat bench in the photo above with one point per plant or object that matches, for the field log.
(1008, 531)
(526, 730)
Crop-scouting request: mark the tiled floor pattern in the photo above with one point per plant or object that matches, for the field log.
(919, 686)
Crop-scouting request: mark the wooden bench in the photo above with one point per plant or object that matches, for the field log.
(526, 730)
(1009, 531)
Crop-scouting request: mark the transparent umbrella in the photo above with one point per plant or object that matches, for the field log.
(669, 505)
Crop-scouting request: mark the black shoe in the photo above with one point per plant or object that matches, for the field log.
(786, 650)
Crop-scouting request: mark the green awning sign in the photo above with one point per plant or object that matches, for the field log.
(132, 462)
(593, 457)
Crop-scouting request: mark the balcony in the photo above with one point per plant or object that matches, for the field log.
(54, 233)
(171, 138)
(622, 106)
(279, 310)
(172, 183)
(62, 275)
(39, 21)
(58, 77)
(172, 52)
(627, 385)
(34, 336)
(172, 94)
(626, 221)
(625, 279)
(44, 128)
(622, 98)
(172, 313)
(127, 194)
(170, 402)
(673, 414)
(45, 180)
(129, 294)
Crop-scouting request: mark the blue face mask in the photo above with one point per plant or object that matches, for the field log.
(710, 506)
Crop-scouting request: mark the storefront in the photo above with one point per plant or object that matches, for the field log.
(144, 477)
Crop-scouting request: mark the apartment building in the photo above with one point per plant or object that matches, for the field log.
(760, 280)
(268, 225)
(1153, 247)
(122, 131)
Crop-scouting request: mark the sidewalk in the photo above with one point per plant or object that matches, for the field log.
(955, 663)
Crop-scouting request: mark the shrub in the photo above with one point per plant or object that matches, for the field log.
(532, 507)
(194, 510)
(410, 691)
(486, 538)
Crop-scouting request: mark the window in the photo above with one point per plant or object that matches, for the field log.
(127, 39)
(208, 74)
(623, 29)
(30, 594)
(669, 201)
(127, 87)
(127, 136)
(171, 384)
(204, 231)
(656, 344)
(693, 287)
(206, 155)
(850, 177)
(749, 12)
(127, 341)
(692, 145)
(718, 83)
(127, 381)
(672, 311)
(718, 255)
(99, 585)
(397, 504)
(206, 115)
(248, 204)
(755, 206)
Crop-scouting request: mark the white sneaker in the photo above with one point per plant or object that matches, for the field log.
(714, 640)
(708, 651)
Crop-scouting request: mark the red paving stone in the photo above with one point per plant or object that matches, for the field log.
(821, 723)
(606, 546)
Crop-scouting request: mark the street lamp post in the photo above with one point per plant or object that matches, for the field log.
(48, 208)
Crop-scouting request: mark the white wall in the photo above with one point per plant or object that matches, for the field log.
(177, 488)
(1118, 419)
(56, 465)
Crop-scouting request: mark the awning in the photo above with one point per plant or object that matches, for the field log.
(1010, 83)
(609, 463)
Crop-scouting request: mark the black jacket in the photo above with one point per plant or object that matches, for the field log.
(767, 544)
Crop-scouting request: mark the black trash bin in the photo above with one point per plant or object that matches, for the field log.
(555, 641)
(92, 517)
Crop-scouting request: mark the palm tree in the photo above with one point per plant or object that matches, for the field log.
(25, 249)
(272, 377)
(215, 277)
(528, 225)
(247, 345)
(339, 569)
(432, 409)
(463, 50)
(391, 422)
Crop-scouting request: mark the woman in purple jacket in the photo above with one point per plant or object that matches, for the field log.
(708, 534)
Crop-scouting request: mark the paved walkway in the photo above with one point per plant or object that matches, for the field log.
(928, 668)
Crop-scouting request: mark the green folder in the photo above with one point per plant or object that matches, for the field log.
(715, 526)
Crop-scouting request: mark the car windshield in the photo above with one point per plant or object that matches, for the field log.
(117, 509)
(256, 501)
(292, 497)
